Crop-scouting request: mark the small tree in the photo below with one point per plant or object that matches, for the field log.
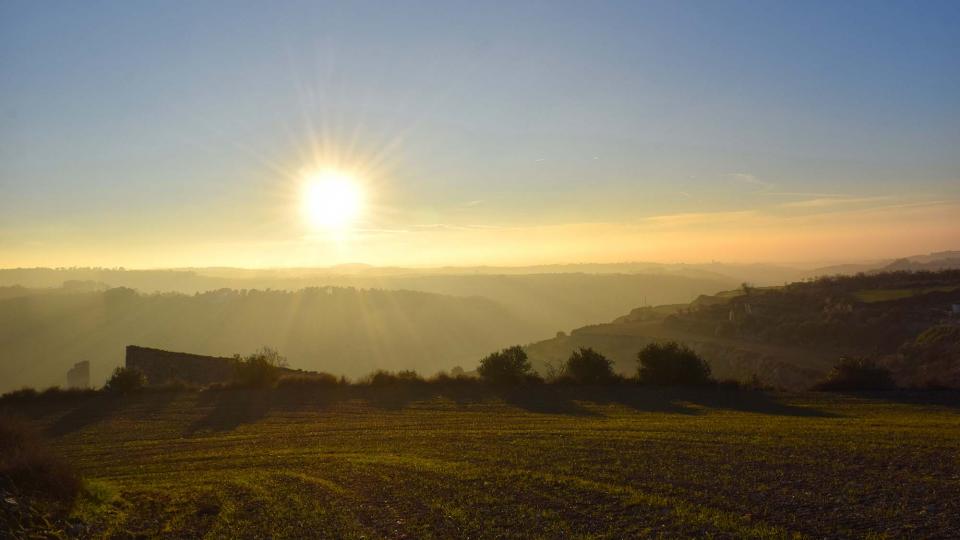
(854, 373)
(672, 364)
(587, 366)
(260, 369)
(509, 366)
(125, 381)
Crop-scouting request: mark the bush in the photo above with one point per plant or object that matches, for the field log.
(27, 467)
(388, 378)
(306, 382)
(672, 364)
(125, 381)
(24, 393)
(587, 366)
(509, 366)
(446, 379)
(854, 373)
(259, 370)
(55, 392)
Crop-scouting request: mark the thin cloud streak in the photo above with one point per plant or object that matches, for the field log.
(824, 202)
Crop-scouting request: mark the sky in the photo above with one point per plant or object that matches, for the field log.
(173, 134)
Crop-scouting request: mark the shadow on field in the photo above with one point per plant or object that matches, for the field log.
(544, 400)
(539, 399)
(88, 410)
(754, 401)
(689, 401)
(925, 398)
(226, 409)
(232, 408)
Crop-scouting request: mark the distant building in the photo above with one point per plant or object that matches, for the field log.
(79, 375)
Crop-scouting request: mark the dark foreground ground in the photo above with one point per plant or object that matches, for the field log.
(364, 463)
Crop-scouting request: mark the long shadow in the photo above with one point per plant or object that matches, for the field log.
(87, 412)
(393, 398)
(231, 408)
(544, 400)
(747, 400)
(947, 398)
(671, 400)
(539, 398)
(641, 399)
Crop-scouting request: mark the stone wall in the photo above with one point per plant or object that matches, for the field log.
(160, 366)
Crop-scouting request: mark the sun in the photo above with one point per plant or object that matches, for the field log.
(331, 200)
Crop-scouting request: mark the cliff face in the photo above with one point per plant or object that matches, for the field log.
(159, 366)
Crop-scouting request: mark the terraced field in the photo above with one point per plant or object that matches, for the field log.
(548, 462)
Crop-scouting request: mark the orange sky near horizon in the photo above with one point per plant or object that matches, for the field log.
(826, 235)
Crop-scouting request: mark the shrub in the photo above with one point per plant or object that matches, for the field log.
(125, 381)
(311, 381)
(855, 373)
(259, 370)
(21, 394)
(587, 366)
(55, 393)
(444, 378)
(51, 392)
(509, 366)
(388, 378)
(409, 375)
(27, 467)
(671, 364)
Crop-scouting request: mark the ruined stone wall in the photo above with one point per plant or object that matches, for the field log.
(160, 366)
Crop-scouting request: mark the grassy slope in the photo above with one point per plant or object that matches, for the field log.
(790, 365)
(544, 462)
(729, 358)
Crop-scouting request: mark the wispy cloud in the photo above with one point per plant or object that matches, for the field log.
(699, 218)
(832, 201)
(750, 179)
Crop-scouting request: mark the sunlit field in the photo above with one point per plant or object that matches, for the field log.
(547, 462)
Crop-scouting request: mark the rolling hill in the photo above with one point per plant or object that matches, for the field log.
(790, 336)
(340, 330)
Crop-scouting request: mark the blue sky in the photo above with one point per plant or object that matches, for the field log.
(166, 133)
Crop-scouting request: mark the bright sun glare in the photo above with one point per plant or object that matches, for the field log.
(332, 200)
